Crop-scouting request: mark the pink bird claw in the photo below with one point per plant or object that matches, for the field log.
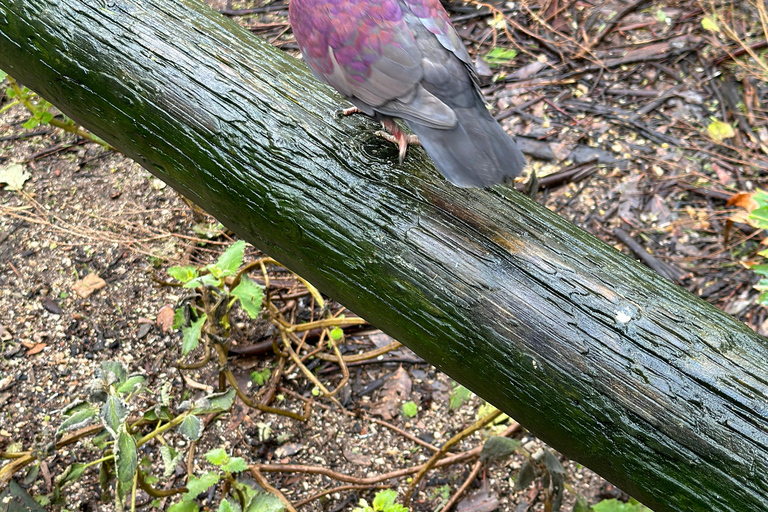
(344, 112)
(396, 136)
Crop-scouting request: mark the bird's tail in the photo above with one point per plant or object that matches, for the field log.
(477, 152)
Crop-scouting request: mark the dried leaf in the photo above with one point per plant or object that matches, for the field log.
(89, 284)
(743, 200)
(397, 388)
(719, 131)
(13, 175)
(36, 349)
(164, 318)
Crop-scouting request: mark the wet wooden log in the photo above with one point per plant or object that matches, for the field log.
(617, 368)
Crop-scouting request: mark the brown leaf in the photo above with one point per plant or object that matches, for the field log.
(37, 348)
(89, 284)
(478, 501)
(355, 458)
(51, 305)
(397, 388)
(723, 177)
(743, 200)
(165, 318)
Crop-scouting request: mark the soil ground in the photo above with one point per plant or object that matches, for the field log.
(621, 150)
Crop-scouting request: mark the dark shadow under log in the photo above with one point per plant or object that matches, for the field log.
(654, 389)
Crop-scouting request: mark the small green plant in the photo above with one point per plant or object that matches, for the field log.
(459, 396)
(384, 501)
(41, 111)
(121, 443)
(410, 409)
(756, 215)
(205, 315)
(238, 495)
(260, 377)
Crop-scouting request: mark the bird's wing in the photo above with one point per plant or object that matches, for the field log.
(366, 50)
(432, 15)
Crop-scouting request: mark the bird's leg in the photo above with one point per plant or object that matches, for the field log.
(397, 136)
(348, 111)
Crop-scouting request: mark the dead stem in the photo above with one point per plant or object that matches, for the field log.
(443, 449)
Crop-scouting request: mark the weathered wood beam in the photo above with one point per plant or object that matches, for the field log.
(656, 390)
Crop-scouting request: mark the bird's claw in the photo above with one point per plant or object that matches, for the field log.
(344, 112)
(395, 135)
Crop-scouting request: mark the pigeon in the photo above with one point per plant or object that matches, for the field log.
(403, 59)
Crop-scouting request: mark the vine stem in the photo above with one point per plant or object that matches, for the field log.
(482, 422)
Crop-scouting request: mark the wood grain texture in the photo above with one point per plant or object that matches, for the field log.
(658, 391)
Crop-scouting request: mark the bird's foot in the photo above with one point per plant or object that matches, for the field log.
(344, 112)
(395, 135)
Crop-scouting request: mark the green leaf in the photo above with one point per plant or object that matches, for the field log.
(459, 396)
(760, 196)
(3, 74)
(229, 261)
(760, 217)
(226, 506)
(261, 377)
(14, 176)
(150, 479)
(497, 448)
(191, 428)
(337, 333)
(165, 393)
(113, 372)
(500, 56)
(196, 485)
(69, 475)
(265, 502)
(615, 505)
(553, 464)
(763, 299)
(410, 409)
(171, 459)
(32, 122)
(184, 506)
(191, 335)
(525, 476)
(183, 274)
(31, 475)
(235, 465)
(78, 416)
(126, 460)
(385, 502)
(362, 506)
(217, 457)
(204, 280)
(581, 504)
(131, 384)
(250, 295)
(215, 402)
(179, 318)
(760, 270)
(113, 414)
(100, 440)
(46, 117)
(719, 131)
(709, 24)
(210, 230)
